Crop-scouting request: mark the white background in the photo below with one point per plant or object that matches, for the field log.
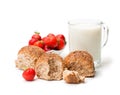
(20, 18)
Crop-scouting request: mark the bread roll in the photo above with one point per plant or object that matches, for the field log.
(80, 61)
(49, 67)
(72, 77)
(27, 57)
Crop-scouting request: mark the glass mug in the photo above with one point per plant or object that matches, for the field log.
(88, 35)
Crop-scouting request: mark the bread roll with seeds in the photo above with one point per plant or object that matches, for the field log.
(49, 67)
(27, 57)
(80, 61)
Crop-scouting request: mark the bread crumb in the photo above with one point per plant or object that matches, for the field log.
(72, 77)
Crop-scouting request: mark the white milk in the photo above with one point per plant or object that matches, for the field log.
(86, 37)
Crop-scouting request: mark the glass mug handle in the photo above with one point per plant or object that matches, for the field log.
(105, 33)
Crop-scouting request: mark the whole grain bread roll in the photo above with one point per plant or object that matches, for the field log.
(49, 67)
(27, 57)
(80, 61)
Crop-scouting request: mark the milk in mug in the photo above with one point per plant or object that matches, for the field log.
(86, 36)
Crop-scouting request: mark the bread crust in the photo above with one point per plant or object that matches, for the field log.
(80, 61)
(27, 56)
(49, 67)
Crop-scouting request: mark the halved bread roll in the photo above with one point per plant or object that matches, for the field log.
(27, 57)
(49, 67)
(80, 61)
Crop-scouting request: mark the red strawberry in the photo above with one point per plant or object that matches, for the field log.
(50, 41)
(61, 44)
(39, 44)
(29, 74)
(32, 41)
(36, 36)
(50, 34)
(60, 36)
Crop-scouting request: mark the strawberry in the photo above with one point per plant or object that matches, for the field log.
(60, 36)
(50, 41)
(39, 44)
(50, 34)
(29, 74)
(32, 41)
(61, 44)
(36, 36)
